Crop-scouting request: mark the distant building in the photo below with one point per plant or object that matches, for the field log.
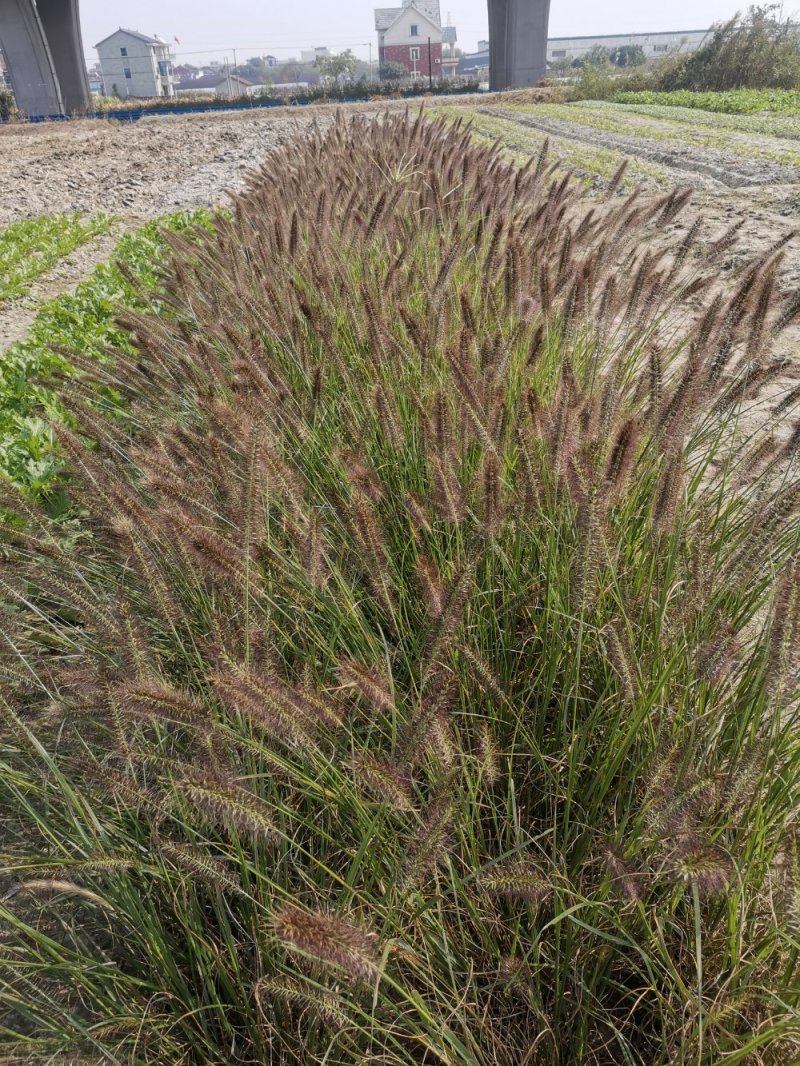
(133, 64)
(560, 49)
(449, 57)
(310, 57)
(412, 35)
(476, 64)
(220, 83)
(654, 45)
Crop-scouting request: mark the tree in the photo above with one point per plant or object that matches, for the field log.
(628, 55)
(290, 72)
(6, 104)
(339, 67)
(597, 57)
(389, 70)
(255, 69)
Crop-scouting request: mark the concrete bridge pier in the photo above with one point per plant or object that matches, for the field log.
(41, 42)
(518, 37)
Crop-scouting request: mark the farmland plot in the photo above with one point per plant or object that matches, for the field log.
(743, 171)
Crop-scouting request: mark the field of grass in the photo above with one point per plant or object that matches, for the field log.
(732, 102)
(588, 164)
(85, 323)
(422, 687)
(30, 248)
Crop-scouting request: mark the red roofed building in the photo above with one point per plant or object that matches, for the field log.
(412, 36)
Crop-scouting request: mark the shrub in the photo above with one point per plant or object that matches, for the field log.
(7, 106)
(628, 55)
(391, 71)
(603, 83)
(425, 691)
(760, 50)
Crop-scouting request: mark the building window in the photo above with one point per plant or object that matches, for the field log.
(123, 51)
(415, 31)
(660, 47)
(127, 72)
(559, 53)
(414, 54)
(163, 69)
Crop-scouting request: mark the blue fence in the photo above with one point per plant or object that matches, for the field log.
(134, 114)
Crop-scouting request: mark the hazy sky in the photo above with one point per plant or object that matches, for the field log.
(210, 29)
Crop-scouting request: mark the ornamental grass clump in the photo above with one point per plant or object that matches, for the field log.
(423, 688)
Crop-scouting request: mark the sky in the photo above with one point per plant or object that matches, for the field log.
(210, 29)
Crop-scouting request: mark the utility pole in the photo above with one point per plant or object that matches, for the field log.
(430, 67)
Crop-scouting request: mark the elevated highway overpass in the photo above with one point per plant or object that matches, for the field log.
(518, 42)
(41, 43)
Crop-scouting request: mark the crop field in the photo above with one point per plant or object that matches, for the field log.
(664, 145)
(400, 598)
(734, 102)
(743, 170)
(28, 249)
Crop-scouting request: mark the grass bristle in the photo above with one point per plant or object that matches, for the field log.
(328, 939)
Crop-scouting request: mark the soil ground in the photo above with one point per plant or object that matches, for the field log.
(743, 169)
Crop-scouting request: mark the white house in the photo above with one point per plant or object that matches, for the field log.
(412, 36)
(133, 64)
(221, 83)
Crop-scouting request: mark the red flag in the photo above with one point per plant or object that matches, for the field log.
(176, 40)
